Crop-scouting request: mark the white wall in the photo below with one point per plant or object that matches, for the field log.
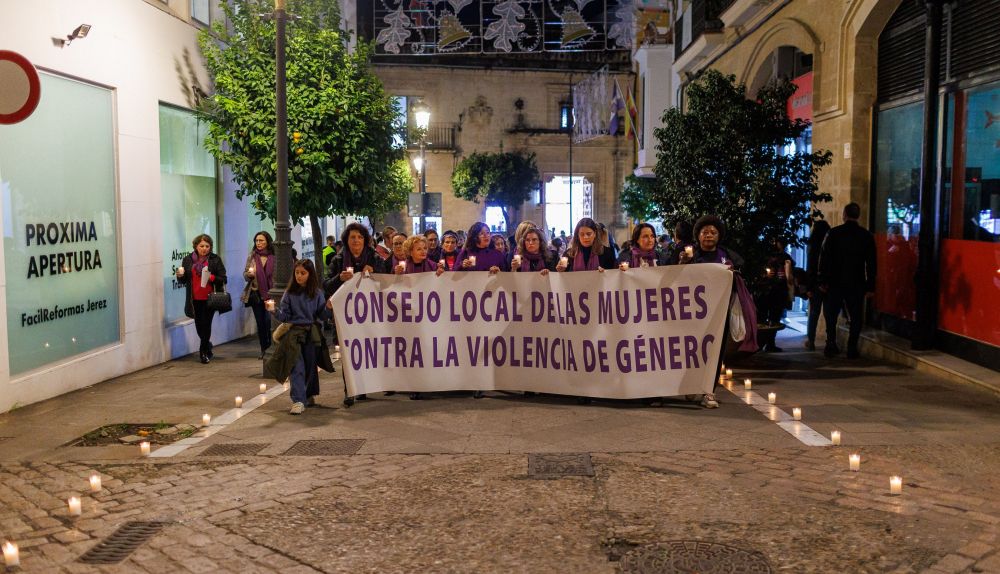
(133, 49)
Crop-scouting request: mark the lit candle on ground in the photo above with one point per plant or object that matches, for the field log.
(729, 373)
(747, 384)
(855, 460)
(895, 485)
(239, 402)
(772, 398)
(11, 555)
(263, 388)
(144, 448)
(95, 483)
(835, 438)
(74, 506)
(206, 418)
(797, 413)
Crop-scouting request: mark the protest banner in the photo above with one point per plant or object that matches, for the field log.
(644, 332)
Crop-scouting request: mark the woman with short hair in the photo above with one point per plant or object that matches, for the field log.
(201, 272)
(586, 252)
(448, 259)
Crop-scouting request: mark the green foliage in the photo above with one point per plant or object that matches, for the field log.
(723, 156)
(341, 122)
(504, 180)
(635, 198)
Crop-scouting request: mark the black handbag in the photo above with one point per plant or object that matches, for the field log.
(219, 301)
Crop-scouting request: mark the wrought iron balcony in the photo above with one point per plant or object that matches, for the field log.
(439, 136)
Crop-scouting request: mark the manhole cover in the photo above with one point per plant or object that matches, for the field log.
(927, 388)
(234, 449)
(329, 447)
(559, 464)
(693, 557)
(122, 543)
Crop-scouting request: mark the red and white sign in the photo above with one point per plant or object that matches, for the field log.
(20, 89)
(800, 105)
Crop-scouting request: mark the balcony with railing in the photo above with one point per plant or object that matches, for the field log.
(439, 136)
(700, 18)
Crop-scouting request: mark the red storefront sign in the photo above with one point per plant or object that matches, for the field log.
(800, 105)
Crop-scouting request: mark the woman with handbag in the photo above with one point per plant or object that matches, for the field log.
(259, 275)
(202, 273)
(304, 306)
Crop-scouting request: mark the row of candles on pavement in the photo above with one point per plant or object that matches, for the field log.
(853, 460)
(11, 553)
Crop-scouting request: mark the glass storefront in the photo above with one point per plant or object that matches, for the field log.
(970, 247)
(60, 224)
(188, 189)
(897, 208)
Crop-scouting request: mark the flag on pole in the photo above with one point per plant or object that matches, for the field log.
(631, 114)
(617, 105)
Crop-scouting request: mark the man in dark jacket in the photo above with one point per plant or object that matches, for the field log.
(847, 276)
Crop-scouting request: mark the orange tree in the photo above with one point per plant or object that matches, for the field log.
(343, 158)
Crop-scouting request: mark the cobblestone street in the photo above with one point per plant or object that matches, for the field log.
(443, 485)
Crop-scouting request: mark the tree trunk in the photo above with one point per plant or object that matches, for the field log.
(319, 242)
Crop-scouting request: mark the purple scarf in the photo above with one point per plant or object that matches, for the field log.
(425, 266)
(592, 264)
(638, 256)
(263, 270)
(197, 263)
(530, 262)
(749, 314)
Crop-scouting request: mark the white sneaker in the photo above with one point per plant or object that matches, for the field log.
(708, 401)
(299, 408)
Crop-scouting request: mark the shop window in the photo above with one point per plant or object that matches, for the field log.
(975, 188)
(897, 207)
(60, 226)
(188, 191)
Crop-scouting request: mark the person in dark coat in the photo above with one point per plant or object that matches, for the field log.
(448, 258)
(847, 271)
(819, 230)
(201, 262)
(258, 272)
(586, 252)
(774, 294)
(433, 246)
(357, 256)
(642, 251)
(708, 233)
(683, 234)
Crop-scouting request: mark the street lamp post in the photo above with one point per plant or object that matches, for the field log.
(422, 113)
(283, 224)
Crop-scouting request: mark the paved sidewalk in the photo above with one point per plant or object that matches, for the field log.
(442, 485)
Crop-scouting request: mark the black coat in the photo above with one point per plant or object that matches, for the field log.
(848, 258)
(606, 260)
(368, 257)
(215, 267)
(625, 256)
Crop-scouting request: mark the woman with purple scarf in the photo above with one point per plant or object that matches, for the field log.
(708, 233)
(479, 253)
(532, 253)
(259, 275)
(416, 249)
(643, 252)
(586, 252)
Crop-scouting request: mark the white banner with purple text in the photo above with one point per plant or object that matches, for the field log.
(647, 332)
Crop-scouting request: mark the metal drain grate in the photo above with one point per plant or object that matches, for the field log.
(122, 543)
(235, 449)
(686, 556)
(329, 447)
(559, 464)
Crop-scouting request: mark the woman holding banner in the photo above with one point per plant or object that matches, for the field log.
(532, 253)
(708, 233)
(415, 250)
(358, 255)
(643, 251)
(586, 252)
(479, 253)
(449, 251)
